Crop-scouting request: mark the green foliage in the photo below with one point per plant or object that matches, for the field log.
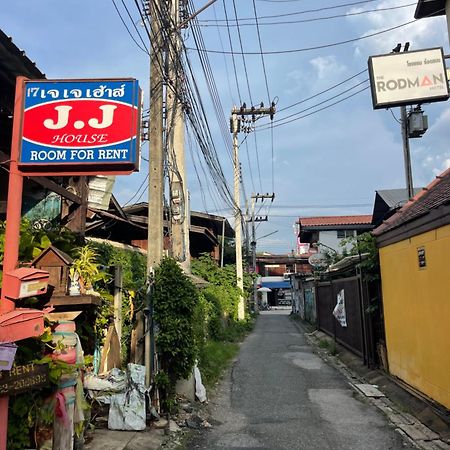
(26, 412)
(214, 358)
(86, 266)
(34, 409)
(365, 243)
(174, 304)
(133, 291)
(221, 296)
(32, 241)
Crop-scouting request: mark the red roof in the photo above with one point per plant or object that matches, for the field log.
(335, 220)
(436, 194)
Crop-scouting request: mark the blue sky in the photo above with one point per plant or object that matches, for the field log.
(328, 163)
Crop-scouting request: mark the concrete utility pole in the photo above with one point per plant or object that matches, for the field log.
(155, 239)
(235, 129)
(179, 204)
(237, 214)
(406, 152)
(405, 139)
(254, 219)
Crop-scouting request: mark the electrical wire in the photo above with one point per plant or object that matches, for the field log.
(316, 47)
(128, 30)
(306, 11)
(320, 109)
(232, 58)
(322, 92)
(244, 64)
(322, 102)
(312, 19)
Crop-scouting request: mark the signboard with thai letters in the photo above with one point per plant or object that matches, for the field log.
(80, 126)
(23, 378)
(408, 78)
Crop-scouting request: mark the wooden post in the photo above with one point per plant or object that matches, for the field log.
(118, 284)
(12, 232)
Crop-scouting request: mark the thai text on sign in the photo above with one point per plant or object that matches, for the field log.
(80, 122)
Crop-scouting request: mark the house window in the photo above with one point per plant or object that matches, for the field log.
(341, 234)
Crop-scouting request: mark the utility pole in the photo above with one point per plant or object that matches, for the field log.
(235, 123)
(179, 204)
(406, 152)
(405, 138)
(155, 231)
(254, 219)
(237, 214)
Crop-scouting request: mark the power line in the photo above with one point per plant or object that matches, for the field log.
(316, 47)
(128, 30)
(322, 102)
(261, 50)
(306, 11)
(242, 52)
(323, 92)
(312, 19)
(318, 110)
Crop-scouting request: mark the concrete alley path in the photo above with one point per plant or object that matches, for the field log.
(280, 395)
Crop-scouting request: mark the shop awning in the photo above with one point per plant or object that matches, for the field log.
(276, 284)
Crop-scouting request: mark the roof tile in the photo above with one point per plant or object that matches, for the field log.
(335, 220)
(436, 194)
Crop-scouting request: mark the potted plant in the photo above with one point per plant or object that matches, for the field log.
(84, 272)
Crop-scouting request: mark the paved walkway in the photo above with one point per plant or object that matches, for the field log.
(280, 395)
(126, 440)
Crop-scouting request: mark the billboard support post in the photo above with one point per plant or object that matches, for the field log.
(406, 152)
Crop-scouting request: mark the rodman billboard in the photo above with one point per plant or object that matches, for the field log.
(408, 78)
(80, 127)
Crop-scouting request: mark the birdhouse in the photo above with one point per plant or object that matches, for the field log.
(57, 264)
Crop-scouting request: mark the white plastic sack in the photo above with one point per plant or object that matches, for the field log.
(101, 388)
(136, 377)
(200, 391)
(127, 411)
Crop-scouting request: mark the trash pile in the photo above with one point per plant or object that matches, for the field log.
(124, 392)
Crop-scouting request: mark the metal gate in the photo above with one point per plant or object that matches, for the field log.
(351, 336)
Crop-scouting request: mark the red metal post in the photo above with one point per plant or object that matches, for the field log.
(12, 232)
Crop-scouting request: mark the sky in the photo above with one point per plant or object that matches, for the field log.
(318, 158)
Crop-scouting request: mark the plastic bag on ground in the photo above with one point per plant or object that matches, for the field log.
(127, 411)
(102, 387)
(200, 391)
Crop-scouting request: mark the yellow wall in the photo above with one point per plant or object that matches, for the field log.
(417, 312)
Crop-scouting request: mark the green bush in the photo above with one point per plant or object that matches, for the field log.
(175, 300)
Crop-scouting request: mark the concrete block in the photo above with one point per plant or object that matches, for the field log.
(418, 432)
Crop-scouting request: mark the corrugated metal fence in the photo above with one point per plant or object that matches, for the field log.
(354, 335)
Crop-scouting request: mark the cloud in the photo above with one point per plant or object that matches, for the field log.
(430, 154)
(428, 32)
(326, 65)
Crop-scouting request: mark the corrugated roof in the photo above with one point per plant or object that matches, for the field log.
(335, 220)
(396, 197)
(436, 194)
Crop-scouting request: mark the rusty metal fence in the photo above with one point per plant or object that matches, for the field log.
(353, 336)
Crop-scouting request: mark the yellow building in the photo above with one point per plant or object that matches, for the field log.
(414, 247)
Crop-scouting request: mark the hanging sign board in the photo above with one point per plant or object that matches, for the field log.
(407, 78)
(23, 378)
(80, 127)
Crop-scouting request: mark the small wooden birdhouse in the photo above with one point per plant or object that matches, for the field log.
(57, 264)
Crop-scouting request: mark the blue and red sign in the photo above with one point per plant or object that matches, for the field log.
(80, 126)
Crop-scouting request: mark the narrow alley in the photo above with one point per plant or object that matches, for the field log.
(280, 395)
